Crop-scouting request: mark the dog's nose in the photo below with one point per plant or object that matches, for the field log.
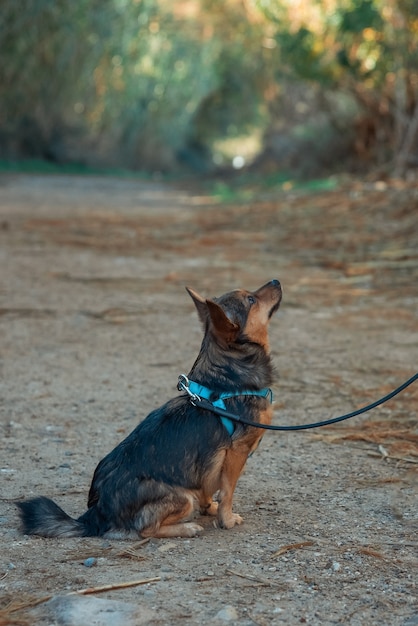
(275, 282)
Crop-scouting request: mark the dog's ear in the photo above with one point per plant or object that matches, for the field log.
(200, 304)
(225, 329)
(208, 310)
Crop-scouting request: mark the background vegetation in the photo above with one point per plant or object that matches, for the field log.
(305, 86)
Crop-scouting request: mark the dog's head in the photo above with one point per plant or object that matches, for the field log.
(240, 316)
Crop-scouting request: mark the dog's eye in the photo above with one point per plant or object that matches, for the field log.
(251, 299)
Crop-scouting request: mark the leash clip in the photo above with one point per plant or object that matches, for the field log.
(183, 385)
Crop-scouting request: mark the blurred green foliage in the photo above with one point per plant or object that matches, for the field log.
(127, 79)
(367, 49)
(152, 84)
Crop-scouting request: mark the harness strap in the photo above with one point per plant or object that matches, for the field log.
(200, 391)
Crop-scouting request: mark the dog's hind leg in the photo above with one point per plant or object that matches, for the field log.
(168, 517)
(185, 529)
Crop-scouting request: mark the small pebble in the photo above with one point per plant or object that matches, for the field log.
(227, 614)
(165, 547)
(90, 562)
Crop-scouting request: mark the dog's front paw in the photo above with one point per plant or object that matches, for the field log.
(229, 521)
(210, 509)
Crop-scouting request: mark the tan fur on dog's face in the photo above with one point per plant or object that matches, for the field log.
(250, 311)
(241, 315)
(267, 301)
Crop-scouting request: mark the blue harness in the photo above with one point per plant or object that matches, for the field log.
(194, 389)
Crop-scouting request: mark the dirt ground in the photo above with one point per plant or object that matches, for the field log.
(96, 326)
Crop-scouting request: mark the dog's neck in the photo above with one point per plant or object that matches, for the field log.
(238, 367)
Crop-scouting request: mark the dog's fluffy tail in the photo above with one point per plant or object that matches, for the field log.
(41, 516)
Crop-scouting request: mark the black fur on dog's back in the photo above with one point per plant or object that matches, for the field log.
(176, 456)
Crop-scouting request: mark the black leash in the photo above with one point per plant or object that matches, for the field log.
(205, 404)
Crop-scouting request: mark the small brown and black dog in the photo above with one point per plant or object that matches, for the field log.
(181, 455)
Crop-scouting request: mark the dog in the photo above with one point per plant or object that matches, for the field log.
(180, 455)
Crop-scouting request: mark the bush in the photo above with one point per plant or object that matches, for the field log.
(124, 82)
(366, 50)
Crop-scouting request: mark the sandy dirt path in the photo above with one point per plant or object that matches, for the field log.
(96, 326)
